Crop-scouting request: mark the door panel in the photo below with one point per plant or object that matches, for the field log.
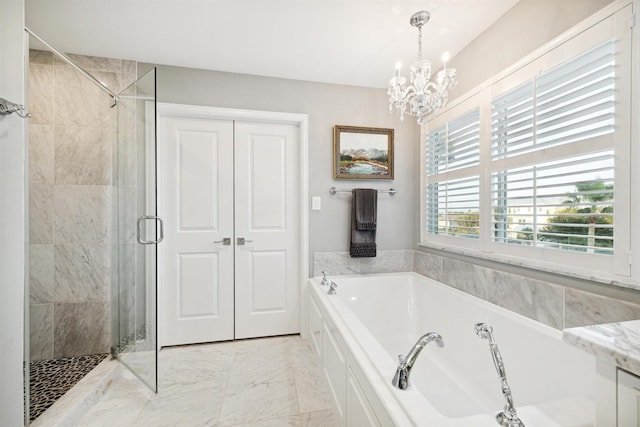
(267, 174)
(197, 285)
(197, 183)
(269, 267)
(197, 151)
(267, 215)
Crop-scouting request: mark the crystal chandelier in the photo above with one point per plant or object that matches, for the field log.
(421, 97)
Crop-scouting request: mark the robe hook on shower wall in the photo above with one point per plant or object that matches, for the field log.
(8, 107)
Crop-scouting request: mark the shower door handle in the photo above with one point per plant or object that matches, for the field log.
(139, 230)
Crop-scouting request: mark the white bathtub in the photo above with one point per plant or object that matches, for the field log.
(374, 318)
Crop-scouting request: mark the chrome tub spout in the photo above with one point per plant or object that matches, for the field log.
(508, 416)
(405, 363)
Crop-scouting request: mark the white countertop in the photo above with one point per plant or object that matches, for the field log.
(618, 343)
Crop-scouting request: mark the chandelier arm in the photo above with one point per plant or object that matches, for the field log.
(409, 92)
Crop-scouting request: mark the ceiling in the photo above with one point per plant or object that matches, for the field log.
(353, 42)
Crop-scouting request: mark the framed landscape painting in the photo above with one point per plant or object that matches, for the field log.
(362, 153)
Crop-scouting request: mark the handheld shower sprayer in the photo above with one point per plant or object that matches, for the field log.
(507, 417)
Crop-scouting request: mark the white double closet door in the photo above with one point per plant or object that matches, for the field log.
(230, 261)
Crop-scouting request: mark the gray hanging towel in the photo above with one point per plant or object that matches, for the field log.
(365, 205)
(363, 241)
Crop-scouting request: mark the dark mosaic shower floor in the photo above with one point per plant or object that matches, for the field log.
(50, 379)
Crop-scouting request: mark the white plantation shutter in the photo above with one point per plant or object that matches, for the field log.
(572, 102)
(563, 204)
(452, 204)
(575, 101)
(512, 122)
(454, 208)
(537, 200)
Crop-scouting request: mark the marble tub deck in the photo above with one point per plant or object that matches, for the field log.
(618, 343)
(249, 383)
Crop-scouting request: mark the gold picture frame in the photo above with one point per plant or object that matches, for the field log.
(362, 153)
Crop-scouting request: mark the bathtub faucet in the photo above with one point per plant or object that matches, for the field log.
(401, 378)
(507, 417)
(324, 281)
(332, 288)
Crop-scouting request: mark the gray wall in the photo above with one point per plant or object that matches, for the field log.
(522, 29)
(327, 105)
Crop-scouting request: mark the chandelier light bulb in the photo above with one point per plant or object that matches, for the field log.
(421, 97)
(445, 59)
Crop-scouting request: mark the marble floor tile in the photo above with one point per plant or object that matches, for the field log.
(292, 421)
(326, 418)
(184, 409)
(121, 406)
(265, 382)
(259, 401)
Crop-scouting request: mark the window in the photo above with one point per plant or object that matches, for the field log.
(453, 204)
(564, 202)
(536, 165)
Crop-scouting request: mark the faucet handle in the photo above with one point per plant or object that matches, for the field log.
(324, 281)
(402, 360)
(332, 288)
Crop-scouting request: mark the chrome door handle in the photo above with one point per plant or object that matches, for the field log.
(225, 241)
(241, 241)
(139, 230)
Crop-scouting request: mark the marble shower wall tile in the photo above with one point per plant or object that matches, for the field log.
(335, 263)
(79, 102)
(583, 309)
(40, 273)
(41, 331)
(429, 265)
(41, 213)
(71, 138)
(83, 155)
(81, 328)
(538, 300)
(41, 154)
(82, 213)
(41, 57)
(464, 276)
(338, 263)
(127, 209)
(92, 63)
(41, 93)
(82, 272)
(387, 262)
(129, 67)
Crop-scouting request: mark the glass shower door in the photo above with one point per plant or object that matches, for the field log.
(137, 233)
